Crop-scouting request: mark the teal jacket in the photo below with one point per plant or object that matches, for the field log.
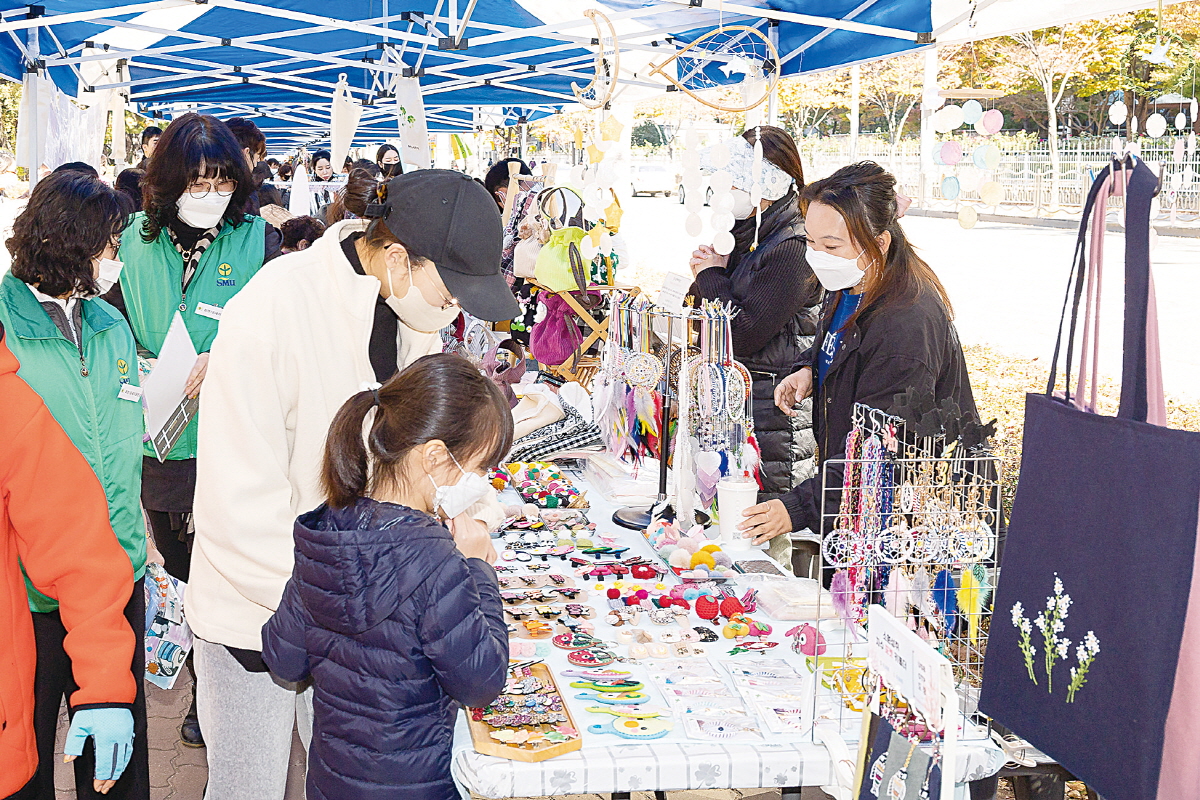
(106, 428)
(152, 286)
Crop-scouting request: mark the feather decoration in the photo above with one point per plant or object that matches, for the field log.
(843, 595)
(970, 600)
(919, 592)
(896, 593)
(944, 596)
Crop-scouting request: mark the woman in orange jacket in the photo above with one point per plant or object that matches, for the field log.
(47, 489)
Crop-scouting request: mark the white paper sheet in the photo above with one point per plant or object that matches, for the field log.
(163, 388)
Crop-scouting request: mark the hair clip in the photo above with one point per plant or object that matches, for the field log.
(529, 580)
(576, 610)
(558, 580)
(547, 612)
(568, 592)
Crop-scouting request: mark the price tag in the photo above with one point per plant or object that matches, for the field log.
(210, 311)
(130, 392)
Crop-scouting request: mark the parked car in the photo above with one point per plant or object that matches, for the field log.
(651, 179)
(704, 187)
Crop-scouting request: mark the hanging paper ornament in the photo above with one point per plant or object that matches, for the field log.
(588, 248)
(578, 132)
(947, 118)
(990, 123)
(722, 221)
(691, 140)
(1156, 125)
(950, 188)
(605, 146)
(1177, 150)
(578, 173)
(721, 181)
(1118, 112)
(1133, 126)
(693, 225)
(1180, 121)
(1191, 144)
(594, 154)
(692, 200)
(1195, 108)
(986, 156)
(969, 178)
(967, 217)
(972, 111)
(691, 160)
(723, 243)
(593, 195)
(612, 216)
(721, 202)
(951, 153)
(606, 175)
(610, 129)
(720, 155)
(992, 193)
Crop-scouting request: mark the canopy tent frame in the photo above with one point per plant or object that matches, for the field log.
(462, 51)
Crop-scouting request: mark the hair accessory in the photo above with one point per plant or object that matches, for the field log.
(590, 657)
(618, 698)
(635, 728)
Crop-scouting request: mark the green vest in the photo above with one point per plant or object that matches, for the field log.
(106, 429)
(152, 285)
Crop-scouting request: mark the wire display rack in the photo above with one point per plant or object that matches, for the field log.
(912, 523)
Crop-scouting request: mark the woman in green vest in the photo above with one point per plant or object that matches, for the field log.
(187, 253)
(78, 353)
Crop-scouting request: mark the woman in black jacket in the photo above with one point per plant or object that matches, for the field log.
(393, 608)
(768, 282)
(886, 327)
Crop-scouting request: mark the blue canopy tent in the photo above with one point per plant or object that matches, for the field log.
(285, 56)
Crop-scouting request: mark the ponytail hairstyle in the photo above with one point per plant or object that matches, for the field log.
(441, 396)
(865, 195)
(780, 149)
(360, 183)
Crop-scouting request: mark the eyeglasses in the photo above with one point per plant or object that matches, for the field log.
(449, 300)
(202, 186)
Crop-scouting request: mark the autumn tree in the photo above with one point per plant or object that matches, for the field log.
(810, 101)
(893, 88)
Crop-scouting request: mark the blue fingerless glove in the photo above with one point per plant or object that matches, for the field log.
(112, 729)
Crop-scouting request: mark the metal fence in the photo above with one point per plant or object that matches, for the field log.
(1024, 172)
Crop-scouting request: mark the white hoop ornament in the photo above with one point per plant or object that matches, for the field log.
(607, 65)
(896, 545)
(726, 49)
(643, 369)
(924, 546)
(835, 549)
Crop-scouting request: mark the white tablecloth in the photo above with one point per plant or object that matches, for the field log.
(608, 764)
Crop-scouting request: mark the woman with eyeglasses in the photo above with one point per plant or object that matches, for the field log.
(313, 329)
(78, 353)
(188, 252)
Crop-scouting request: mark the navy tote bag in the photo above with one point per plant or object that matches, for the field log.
(1093, 650)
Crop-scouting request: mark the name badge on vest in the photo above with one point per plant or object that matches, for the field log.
(130, 392)
(210, 311)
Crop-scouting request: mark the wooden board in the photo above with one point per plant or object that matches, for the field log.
(485, 744)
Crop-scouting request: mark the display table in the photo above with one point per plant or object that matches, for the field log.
(609, 764)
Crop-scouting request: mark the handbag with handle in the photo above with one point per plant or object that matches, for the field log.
(1094, 650)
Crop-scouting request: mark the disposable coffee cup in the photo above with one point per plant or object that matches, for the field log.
(734, 496)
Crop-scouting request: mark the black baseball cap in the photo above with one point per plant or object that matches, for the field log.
(451, 219)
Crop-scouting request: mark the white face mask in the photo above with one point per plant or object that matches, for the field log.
(416, 312)
(834, 272)
(457, 498)
(202, 212)
(110, 273)
(743, 207)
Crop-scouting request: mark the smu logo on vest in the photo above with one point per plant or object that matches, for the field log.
(223, 273)
(123, 369)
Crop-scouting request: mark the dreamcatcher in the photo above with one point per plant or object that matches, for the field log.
(599, 89)
(712, 60)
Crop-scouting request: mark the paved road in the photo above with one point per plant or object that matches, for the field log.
(1006, 282)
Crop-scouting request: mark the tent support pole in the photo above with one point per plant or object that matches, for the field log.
(35, 144)
(930, 102)
(855, 109)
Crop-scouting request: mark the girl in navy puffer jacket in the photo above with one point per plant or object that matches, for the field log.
(393, 615)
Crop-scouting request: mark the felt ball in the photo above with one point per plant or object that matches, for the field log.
(689, 544)
(711, 548)
(702, 557)
(642, 594)
(680, 559)
(613, 594)
(691, 594)
(632, 601)
(663, 602)
(722, 559)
